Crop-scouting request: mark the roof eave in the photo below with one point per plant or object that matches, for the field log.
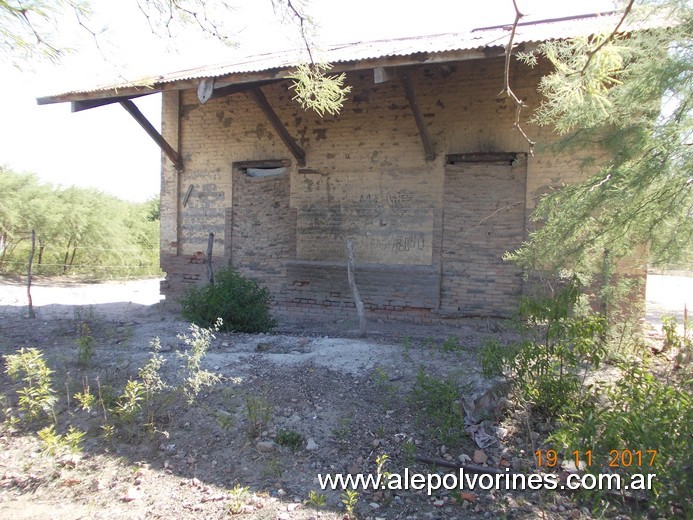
(239, 78)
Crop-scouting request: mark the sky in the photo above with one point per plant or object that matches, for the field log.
(106, 149)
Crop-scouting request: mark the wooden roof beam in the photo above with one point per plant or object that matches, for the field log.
(172, 154)
(86, 104)
(405, 78)
(273, 118)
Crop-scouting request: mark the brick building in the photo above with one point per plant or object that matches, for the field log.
(423, 169)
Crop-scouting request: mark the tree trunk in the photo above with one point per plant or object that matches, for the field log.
(67, 255)
(74, 252)
(3, 248)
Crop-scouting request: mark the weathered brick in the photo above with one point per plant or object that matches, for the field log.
(429, 236)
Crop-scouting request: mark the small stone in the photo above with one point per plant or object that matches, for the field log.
(263, 346)
(311, 445)
(534, 436)
(96, 485)
(438, 503)
(480, 457)
(265, 446)
(464, 458)
(467, 496)
(574, 514)
(132, 494)
(502, 433)
(512, 503)
(374, 505)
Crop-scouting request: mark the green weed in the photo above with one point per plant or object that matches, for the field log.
(36, 396)
(451, 344)
(343, 429)
(439, 400)
(55, 444)
(258, 414)
(85, 344)
(237, 496)
(291, 439)
(316, 500)
(194, 377)
(350, 499)
(86, 399)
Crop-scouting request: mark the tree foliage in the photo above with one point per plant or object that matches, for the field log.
(28, 28)
(77, 230)
(630, 97)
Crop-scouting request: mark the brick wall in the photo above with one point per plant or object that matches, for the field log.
(365, 178)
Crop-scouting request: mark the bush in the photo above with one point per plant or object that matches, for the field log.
(639, 414)
(240, 302)
(548, 366)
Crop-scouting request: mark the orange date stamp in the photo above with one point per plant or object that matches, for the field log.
(585, 458)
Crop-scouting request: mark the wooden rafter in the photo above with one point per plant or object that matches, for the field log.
(276, 123)
(86, 104)
(405, 78)
(172, 154)
(227, 90)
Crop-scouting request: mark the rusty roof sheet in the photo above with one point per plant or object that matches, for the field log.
(354, 52)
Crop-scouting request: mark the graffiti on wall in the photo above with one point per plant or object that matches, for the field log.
(389, 227)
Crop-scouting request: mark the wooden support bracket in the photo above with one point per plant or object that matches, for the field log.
(276, 123)
(153, 133)
(405, 78)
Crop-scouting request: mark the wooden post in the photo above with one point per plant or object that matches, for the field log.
(210, 271)
(32, 314)
(352, 283)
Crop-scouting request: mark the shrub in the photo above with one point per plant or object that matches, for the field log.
(548, 366)
(240, 302)
(36, 397)
(640, 414)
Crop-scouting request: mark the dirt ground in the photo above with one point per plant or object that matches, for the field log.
(346, 400)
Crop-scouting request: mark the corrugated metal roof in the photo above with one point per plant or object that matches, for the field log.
(476, 39)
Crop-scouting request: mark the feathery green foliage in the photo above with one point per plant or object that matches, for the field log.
(317, 90)
(78, 231)
(632, 97)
